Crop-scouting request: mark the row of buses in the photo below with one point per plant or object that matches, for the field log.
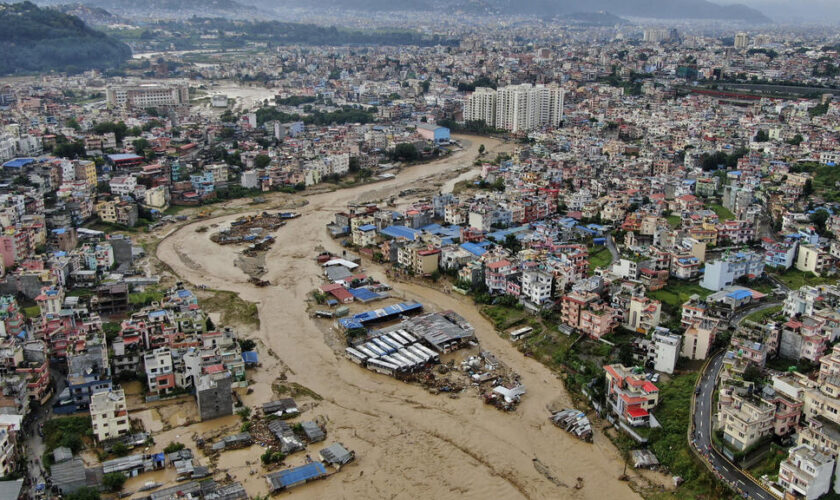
(392, 353)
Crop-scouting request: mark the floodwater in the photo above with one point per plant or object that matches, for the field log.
(408, 442)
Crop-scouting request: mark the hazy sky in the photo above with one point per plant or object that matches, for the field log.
(795, 10)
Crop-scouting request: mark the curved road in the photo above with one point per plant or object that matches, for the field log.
(703, 411)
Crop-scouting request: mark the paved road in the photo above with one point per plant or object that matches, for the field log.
(736, 320)
(703, 436)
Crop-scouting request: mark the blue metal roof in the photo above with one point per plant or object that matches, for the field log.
(18, 162)
(473, 249)
(400, 232)
(250, 357)
(367, 227)
(297, 475)
(363, 294)
(124, 156)
(739, 294)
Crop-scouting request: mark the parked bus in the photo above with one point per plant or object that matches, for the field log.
(521, 333)
(356, 356)
(383, 367)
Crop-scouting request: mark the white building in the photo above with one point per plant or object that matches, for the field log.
(666, 352)
(481, 106)
(742, 40)
(123, 186)
(724, 271)
(536, 286)
(806, 473)
(516, 107)
(109, 414)
(147, 96)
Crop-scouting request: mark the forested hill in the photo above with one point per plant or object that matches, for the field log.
(36, 40)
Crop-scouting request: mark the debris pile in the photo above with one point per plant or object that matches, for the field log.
(574, 422)
(252, 229)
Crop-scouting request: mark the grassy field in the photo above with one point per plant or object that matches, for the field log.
(762, 316)
(796, 279)
(232, 308)
(722, 212)
(599, 256)
(676, 293)
(674, 221)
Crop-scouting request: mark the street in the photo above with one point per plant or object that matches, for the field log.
(703, 412)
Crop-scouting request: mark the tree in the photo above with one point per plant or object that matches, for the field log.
(247, 345)
(405, 151)
(114, 481)
(808, 188)
(262, 161)
(762, 136)
(173, 447)
(120, 449)
(83, 493)
(425, 86)
(481, 149)
(140, 145)
(512, 243)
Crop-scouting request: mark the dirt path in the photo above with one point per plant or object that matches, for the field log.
(409, 443)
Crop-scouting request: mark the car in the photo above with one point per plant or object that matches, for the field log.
(697, 391)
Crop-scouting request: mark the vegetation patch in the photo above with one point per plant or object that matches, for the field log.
(233, 309)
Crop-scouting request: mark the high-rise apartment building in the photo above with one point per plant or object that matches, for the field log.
(741, 40)
(516, 108)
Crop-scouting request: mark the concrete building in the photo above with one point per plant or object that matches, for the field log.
(147, 96)
(806, 473)
(516, 108)
(698, 339)
(213, 395)
(666, 351)
(630, 396)
(159, 375)
(536, 286)
(745, 421)
(814, 260)
(742, 40)
(724, 271)
(109, 414)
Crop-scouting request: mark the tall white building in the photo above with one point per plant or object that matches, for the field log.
(481, 106)
(741, 40)
(516, 107)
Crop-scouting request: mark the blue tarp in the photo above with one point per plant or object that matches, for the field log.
(297, 475)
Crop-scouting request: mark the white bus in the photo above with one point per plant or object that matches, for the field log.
(521, 333)
(356, 356)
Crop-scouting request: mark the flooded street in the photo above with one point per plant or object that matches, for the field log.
(408, 442)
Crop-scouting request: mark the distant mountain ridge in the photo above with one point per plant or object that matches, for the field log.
(38, 40)
(658, 9)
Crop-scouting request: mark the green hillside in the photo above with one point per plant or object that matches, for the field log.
(35, 40)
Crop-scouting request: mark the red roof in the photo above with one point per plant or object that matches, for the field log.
(649, 387)
(636, 412)
(341, 294)
(501, 263)
(214, 368)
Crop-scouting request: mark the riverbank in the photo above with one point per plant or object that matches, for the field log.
(407, 440)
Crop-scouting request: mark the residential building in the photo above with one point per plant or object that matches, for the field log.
(806, 473)
(745, 421)
(732, 266)
(109, 414)
(630, 396)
